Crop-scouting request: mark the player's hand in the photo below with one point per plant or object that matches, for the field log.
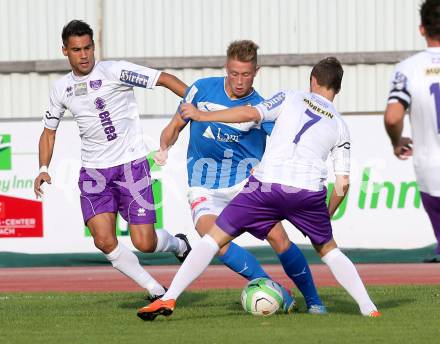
(42, 177)
(188, 111)
(160, 157)
(404, 149)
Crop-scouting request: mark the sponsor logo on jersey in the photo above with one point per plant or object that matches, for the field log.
(225, 137)
(80, 89)
(208, 133)
(275, 101)
(95, 84)
(100, 104)
(133, 78)
(433, 71)
(317, 109)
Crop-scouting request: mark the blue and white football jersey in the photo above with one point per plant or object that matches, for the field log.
(221, 155)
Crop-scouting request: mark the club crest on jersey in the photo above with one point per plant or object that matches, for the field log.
(133, 78)
(95, 84)
(100, 104)
(80, 89)
(400, 81)
(275, 101)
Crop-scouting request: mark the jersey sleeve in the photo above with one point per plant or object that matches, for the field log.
(191, 94)
(270, 109)
(56, 110)
(135, 75)
(399, 90)
(340, 154)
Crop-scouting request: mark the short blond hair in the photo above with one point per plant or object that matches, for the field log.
(243, 51)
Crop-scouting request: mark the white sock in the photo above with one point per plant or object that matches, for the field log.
(126, 262)
(193, 266)
(169, 243)
(347, 276)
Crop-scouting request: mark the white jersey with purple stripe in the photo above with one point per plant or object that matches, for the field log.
(221, 155)
(105, 109)
(307, 129)
(416, 85)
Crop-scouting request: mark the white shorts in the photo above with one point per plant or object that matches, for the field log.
(211, 201)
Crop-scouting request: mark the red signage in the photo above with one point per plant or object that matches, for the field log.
(20, 217)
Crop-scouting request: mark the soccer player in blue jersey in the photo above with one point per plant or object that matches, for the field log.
(220, 159)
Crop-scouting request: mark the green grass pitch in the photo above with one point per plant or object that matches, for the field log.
(411, 314)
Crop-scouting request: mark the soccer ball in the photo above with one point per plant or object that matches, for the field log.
(261, 296)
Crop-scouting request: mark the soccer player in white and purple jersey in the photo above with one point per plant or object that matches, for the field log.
(287, 184)
(416, 87)
(115, 175)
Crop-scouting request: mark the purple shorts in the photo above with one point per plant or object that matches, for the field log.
(259, 206)
(125, 189)
(432, 207)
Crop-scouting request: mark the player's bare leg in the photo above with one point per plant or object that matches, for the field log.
(278, 239)
(146, 239)
(347, 276)
(102, 228)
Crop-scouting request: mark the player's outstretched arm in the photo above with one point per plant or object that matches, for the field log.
(45, 148)
(236, 114)
(168, 137)
(339, 192)
(173, 83)
(393, 121)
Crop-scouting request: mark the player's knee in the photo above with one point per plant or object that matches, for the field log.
(145, 246)
(105, 245)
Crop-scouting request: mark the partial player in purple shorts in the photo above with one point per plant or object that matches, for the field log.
(432, 207)
(125, 189)
(259, 206)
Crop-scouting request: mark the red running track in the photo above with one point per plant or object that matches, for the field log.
(100, 279)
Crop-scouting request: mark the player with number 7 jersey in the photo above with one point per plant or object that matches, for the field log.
(287, 185)
(307, 127)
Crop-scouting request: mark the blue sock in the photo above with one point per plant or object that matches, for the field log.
(296, 267)
(242, 262)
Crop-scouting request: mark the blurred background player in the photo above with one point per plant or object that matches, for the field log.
(115, 175)
(287, 184)
(416, 87)
(220, 158)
